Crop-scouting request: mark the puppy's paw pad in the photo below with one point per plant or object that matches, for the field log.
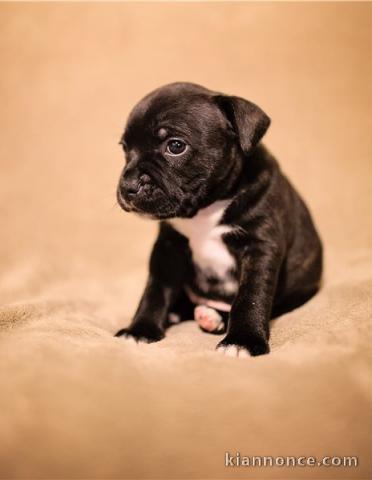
(208, 319)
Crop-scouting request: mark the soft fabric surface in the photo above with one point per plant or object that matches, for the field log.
(75, 401)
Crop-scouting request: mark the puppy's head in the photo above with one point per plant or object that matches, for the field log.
(184, 147)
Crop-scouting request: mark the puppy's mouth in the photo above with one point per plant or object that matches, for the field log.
(149, 200)
(158, 199)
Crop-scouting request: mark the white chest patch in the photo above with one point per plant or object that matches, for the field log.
(209, 252)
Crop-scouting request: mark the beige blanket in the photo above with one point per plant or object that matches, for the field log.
(75, 401)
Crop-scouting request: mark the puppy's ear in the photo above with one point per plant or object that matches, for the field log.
(247, 119)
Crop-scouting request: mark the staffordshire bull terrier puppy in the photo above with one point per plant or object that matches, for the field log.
(236, 244)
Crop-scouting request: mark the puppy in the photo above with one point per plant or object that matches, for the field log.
(236, 243)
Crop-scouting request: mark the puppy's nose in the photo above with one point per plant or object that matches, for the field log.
(131, 187)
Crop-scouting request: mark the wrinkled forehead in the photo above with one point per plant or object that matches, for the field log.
(176, 115)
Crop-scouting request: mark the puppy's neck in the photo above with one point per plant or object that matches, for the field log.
(205, 220)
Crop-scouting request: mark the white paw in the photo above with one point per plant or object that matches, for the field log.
(129, 339)
(208, 318)
(233, 351)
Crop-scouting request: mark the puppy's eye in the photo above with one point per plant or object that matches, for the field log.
(175, 146)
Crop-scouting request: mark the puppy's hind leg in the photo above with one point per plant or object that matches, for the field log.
(210, 320)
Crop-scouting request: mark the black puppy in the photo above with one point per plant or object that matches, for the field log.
(236, 244)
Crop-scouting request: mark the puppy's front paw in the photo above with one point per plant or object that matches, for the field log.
(142, 332)
(236, 346)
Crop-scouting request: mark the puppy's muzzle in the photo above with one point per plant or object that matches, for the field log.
(132, 186)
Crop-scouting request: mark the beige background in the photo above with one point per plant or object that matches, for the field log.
(75, 402)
